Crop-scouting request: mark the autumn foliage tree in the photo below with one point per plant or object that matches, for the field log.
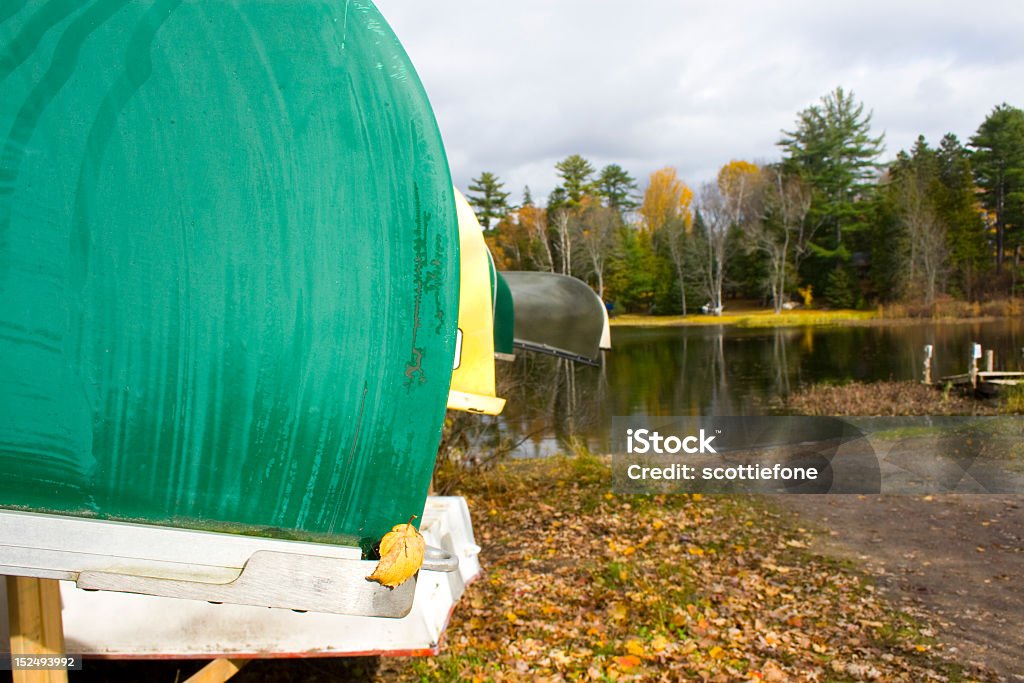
(666, 199)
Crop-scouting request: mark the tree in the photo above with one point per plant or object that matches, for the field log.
(575, 172)
(617, 188)
(666, 199)
(833, 149)
(917, 185)
(487, 198)
(959, 208)
(535, 222)
(677, 235)
(999, 170)
(740, 185)
(714, 225)
(779, 230)
(561, 219)
(596, 228)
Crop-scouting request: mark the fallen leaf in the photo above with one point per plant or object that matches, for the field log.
(401, 555)
(635, 647)
(628, 662)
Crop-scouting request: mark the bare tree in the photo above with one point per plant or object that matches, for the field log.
(535, 221)
(717, 220)
(562, 220)
(779, 229)
(677, 234)
(926, 236)
(595, 233)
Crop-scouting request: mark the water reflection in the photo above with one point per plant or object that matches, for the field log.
(721, 371)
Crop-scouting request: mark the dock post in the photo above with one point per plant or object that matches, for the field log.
(927, 364)
(990, 360)
(972, 370)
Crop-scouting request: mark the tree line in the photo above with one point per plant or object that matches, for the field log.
(826, 222)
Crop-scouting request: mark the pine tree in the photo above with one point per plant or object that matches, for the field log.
(833, 149)
(957, 205)
(998, 162)
(575, 172)
(617, 188)
(487, 198)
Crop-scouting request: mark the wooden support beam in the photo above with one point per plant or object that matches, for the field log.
(218, 671)
(33, 607)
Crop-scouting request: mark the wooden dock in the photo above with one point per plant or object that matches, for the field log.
(987, 382)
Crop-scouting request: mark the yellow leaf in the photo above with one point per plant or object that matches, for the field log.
(659, 643)
(635, 647)
(401, 554)
(715, 652)
(697, 497)
(618, 611)
(511, 616)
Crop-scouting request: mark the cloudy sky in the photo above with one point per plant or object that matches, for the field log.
(649, 83)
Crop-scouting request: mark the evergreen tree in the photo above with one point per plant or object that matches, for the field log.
(833, 150)
(487, 198)
(617, 188)
(576, 174)
(957, 205)
(527, 197)
(999, 170)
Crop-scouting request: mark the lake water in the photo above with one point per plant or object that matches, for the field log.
(717, 370)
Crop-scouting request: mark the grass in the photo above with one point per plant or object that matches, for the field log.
(749, 318)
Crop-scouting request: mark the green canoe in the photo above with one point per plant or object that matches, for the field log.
(228, 267)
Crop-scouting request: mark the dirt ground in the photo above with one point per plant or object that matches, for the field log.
(958, 558)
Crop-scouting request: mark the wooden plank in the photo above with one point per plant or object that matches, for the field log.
(33, 607)
(218, 671)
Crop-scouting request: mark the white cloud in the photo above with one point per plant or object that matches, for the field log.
(517, 86)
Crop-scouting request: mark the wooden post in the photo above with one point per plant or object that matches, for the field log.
(218, 671)
(972, 370)
(927, 364)
(33, 607)
(990, 360)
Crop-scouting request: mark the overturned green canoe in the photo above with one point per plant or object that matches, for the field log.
(558, 315)
(228, 267)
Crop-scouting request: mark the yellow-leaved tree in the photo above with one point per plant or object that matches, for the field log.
(667, 211)
(667, 199)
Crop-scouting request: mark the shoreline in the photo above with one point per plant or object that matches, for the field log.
(806, 318)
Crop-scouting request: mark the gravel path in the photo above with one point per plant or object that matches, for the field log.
(960, 558)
